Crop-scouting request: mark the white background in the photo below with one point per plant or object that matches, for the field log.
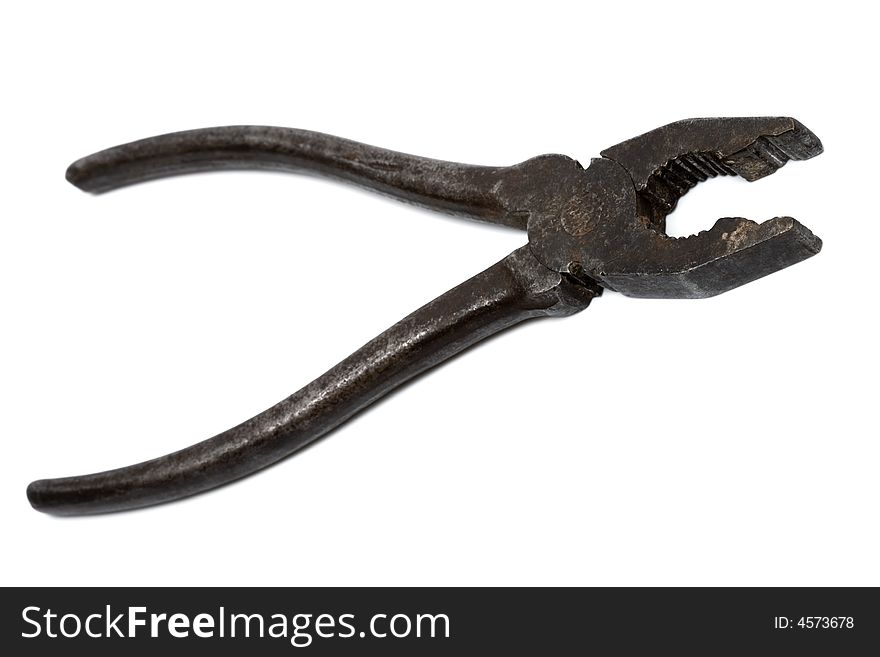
(727, 441)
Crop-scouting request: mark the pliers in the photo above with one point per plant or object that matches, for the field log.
(589, 229)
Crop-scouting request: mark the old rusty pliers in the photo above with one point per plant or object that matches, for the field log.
(588, 229)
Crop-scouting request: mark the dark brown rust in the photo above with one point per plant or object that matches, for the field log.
(588, 228)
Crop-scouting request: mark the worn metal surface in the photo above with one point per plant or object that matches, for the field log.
(588, 229)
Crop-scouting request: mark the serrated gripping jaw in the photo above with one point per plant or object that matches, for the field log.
(619, 237)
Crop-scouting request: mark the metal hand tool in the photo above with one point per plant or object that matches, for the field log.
(588, 229)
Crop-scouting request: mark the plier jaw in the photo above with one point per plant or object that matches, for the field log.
(613, 227)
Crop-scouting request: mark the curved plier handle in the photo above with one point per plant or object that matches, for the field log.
(515, 289)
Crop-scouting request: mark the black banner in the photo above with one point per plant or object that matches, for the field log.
(279, 621)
